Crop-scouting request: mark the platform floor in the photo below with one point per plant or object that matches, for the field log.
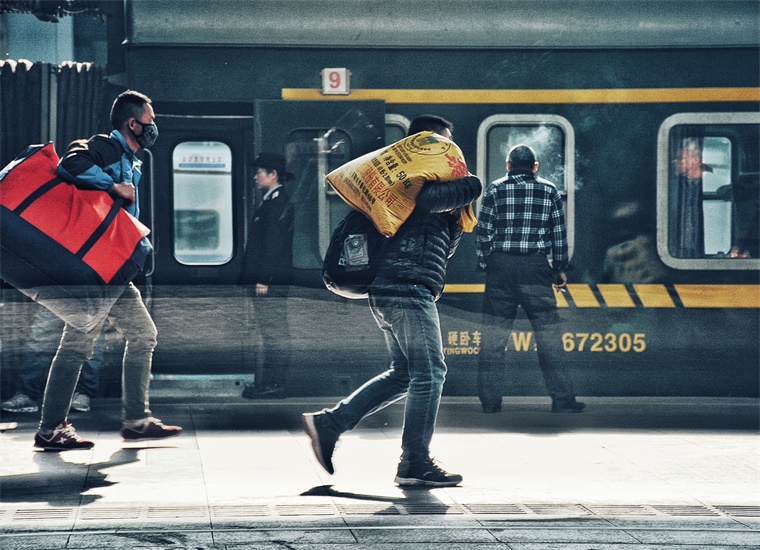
(630, 473)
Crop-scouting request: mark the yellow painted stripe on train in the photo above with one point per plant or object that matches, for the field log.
(719, 296)
(465, 289)
(654, 296)
(651, 296)
(614, 95)
(583, 296)
(616, 296)
(561, 299)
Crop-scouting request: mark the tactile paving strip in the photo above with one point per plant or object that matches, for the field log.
(146, 513)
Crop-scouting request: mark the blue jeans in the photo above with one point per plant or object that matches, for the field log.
(408, 317)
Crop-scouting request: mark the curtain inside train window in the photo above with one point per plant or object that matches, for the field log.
(713, 191)
(202, 190)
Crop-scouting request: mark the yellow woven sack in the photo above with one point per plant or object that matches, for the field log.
(384, 184)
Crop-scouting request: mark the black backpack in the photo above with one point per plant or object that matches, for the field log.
(351, 259)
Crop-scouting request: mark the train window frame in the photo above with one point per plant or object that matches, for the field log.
(326, 195)
(149, 159)
(393, 119)
(663, 191)
(568, 193)
(227, 227)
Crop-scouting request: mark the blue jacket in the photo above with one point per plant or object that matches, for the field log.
(99, 163)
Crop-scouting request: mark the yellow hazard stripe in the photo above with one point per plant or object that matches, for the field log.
(616, 296)
(614, 95)
(729, 296)
(648, 296)
(654, 296)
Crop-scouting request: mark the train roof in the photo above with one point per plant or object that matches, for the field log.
(445, 23)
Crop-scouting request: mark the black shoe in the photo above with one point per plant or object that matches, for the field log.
(567, 406)
(427, 474)
(252, 391)
(492, 408)
(323, 439)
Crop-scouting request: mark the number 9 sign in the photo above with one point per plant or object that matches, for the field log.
(336, 81)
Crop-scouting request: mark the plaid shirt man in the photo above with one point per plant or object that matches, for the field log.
(522, 213)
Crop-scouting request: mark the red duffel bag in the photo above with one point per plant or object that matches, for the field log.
(71, 250)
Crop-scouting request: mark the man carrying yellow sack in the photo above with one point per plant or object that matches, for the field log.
(410, 278)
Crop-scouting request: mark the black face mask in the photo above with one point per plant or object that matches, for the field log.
(148, 136)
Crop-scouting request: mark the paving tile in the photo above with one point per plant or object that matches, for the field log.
(37, 541)
(699, 537)
(140, 539)
(263, 524)
(408, 521)
(382, 546)
(441, 535)
(679, 523)
(286, 536)
(562, 535)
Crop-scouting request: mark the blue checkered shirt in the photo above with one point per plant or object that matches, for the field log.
(522, 213)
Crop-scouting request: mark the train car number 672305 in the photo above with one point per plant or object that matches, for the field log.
(608, 342)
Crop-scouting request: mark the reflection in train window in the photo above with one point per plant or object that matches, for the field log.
(202, 172)
(312, 153)
(709, 190)
(553, 139)
(396, 127)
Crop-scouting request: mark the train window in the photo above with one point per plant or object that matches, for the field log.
(709, 191)
(396, 127)
(553, 139)
(312, 153)
(202, 172)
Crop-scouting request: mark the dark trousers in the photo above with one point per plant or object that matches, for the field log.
(269, 326)
(514, 280)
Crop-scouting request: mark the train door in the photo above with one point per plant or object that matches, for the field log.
(193, 196)
(201, 195)
(316, 137)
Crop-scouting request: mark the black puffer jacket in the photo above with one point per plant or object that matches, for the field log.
(419, 251)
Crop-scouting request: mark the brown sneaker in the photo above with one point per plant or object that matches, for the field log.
(152, 429)
(63, 438)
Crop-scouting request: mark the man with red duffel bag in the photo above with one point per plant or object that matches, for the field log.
(108, 163)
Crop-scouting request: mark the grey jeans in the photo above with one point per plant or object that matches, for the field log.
(131, 319)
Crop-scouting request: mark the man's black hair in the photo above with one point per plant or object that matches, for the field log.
(129, 104)
(430, 123)
(521, 157)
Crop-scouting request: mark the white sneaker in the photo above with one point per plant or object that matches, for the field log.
(20, 403)
(80, 403)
